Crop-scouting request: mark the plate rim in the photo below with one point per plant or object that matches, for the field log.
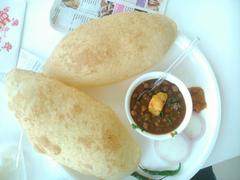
(185, 41)
(197, 51)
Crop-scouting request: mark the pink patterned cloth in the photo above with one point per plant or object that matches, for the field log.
(11, 25)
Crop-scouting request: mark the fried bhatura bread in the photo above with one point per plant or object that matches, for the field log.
(71, 127)
(111, 49)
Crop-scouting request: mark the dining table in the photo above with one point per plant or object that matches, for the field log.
(217, 25)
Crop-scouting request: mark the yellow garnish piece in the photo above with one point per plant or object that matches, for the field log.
(157, 103)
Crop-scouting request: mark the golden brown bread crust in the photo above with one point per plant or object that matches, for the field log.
(111, 49)
(71, 127)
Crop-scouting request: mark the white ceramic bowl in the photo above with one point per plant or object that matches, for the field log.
(183, 89)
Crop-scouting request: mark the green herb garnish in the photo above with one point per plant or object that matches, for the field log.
(161, 114)
(162, 173)
(135, 126)
(169, 120)
(172, 100)
(174, 133)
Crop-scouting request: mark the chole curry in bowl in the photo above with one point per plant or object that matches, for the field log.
(161, 113)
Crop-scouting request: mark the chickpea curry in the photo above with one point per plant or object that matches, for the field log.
(160, 111)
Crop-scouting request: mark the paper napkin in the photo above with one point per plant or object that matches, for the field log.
(29, 61)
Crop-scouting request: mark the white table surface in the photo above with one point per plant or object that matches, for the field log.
(217, 24)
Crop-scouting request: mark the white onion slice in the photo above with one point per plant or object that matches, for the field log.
(195, 128)
(174, 150)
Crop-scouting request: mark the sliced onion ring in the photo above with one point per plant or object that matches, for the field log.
(174, 150)
(196, 127)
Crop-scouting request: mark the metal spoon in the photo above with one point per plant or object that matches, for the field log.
(176, 62)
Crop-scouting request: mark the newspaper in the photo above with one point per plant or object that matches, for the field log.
(64, 18)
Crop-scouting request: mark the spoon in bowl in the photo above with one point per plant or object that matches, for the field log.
(176, 62)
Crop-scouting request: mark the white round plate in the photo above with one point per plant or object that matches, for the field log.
(193, 71)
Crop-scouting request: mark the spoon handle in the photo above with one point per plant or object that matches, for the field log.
(178, 60)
